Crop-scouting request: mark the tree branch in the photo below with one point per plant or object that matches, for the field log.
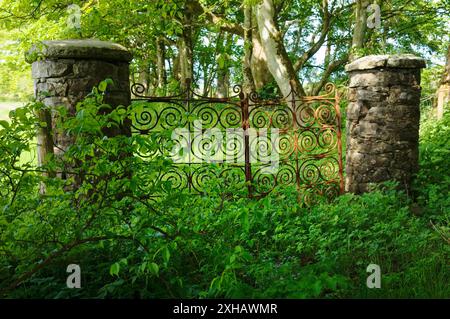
(215, 19)
(325, 76)
(326, 24)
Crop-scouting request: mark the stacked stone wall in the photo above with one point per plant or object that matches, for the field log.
(65, 72)
(382, 121)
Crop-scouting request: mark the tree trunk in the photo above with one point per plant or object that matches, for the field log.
(176, 69)
(222, 82)
(249, 83)
(44, 143)
(144, 76)
(223, 72)
(359, 30)
(44, 136)
(278, 61)
(258, 63)
(185, 48)
(185, 59)
(161, 64)
(206, 81)
(327, 58)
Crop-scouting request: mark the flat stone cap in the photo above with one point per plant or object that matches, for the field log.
(78, 49)
(401, 61)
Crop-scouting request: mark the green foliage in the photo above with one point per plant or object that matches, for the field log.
(430, 78)
(433, 181)
(133, 239)
(417, 26)
(104, 208)
(269, 91)
(15, 81)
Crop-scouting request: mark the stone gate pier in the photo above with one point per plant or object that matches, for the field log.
(382, 120)
(65, 71)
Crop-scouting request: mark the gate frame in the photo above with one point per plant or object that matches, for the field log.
(244, 102)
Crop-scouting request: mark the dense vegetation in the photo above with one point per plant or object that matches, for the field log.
(135, 236)
(130, 243)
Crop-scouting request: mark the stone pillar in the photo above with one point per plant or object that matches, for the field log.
(64, 72)
(382, 120)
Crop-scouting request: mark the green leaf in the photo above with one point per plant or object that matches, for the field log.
(102, 86)
(21, 114)
(154, 268)
(221, 61)
(166, 255)
(114, 269)
(142, 267)
(5, 124)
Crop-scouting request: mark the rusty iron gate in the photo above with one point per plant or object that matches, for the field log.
(254, 142)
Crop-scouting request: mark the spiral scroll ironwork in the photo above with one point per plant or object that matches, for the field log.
(241, 134)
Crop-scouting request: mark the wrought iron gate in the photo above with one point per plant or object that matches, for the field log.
(292, 140)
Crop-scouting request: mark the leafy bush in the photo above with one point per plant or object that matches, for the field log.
(433, 181)
(133, 238)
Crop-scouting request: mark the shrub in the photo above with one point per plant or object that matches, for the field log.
(135, 236)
